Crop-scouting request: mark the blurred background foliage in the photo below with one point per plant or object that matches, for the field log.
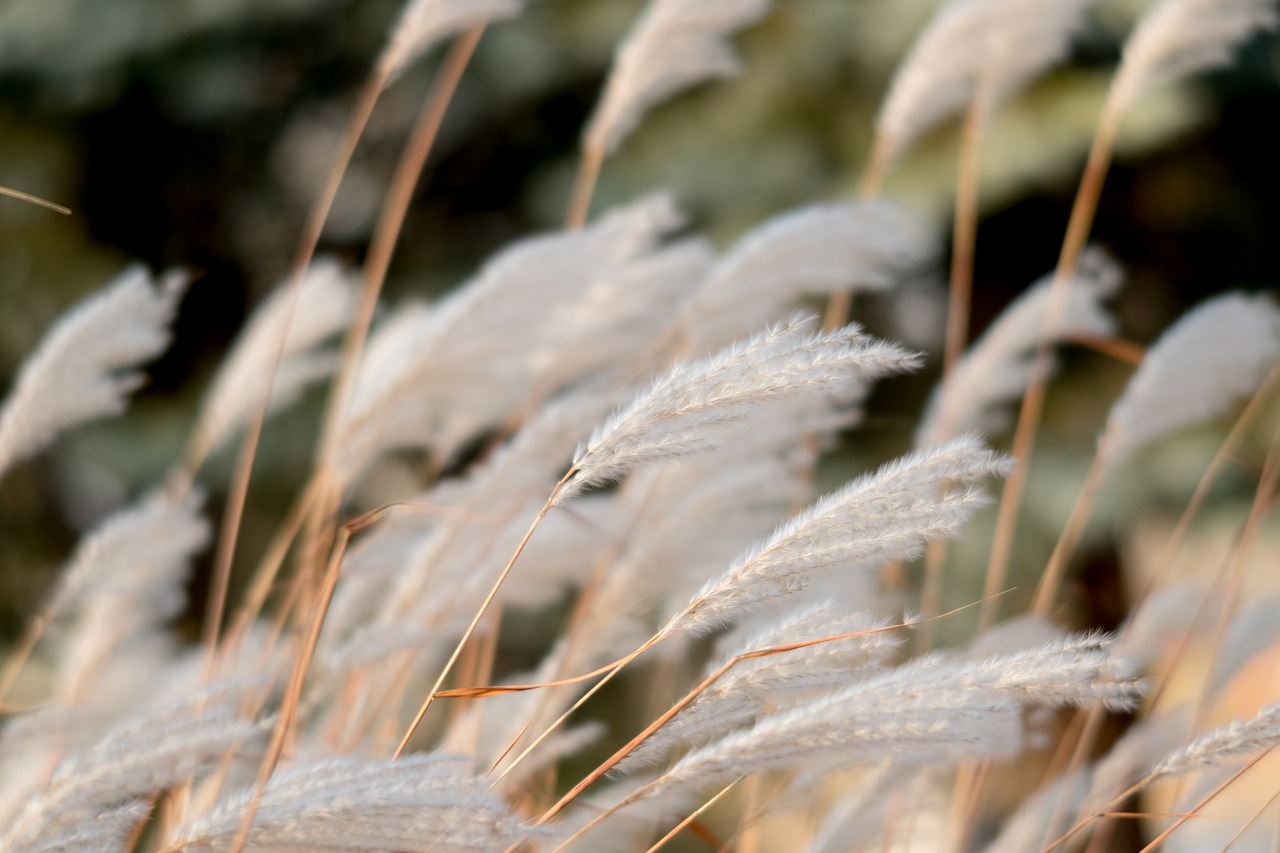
(194, 133)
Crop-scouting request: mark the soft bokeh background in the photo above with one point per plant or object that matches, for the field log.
(194, 133)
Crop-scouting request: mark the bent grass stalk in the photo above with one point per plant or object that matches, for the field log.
(386, 233)
(1252, 410)
(694, 815)
(475, 620)
(609, 763)
(293, 691)
(35, 199)
(193, 457)
(1024, 436)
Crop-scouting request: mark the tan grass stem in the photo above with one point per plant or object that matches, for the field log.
(699, 812)
(293, 691)
(1051, 580)
(475, 620)
(633, 797)
(1093, 722)
(965, 235)
(17, 658)
(1219, 462)
(35, 199)
(869, 187)
(194, 456)
(1024, 437)
(874, 173)
(1263, 500)
(595, 688)
(1239, 833)
(584, 186)
(264, 577)
(684, 702)
(382, 246)
(1107, 810)
(1204, 801)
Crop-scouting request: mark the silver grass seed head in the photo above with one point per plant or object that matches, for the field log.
(686, 410)
(675, 44)
(424, 23)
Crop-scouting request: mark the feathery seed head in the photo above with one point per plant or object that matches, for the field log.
(685, 411)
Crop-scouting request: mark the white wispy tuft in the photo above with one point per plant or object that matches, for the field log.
(323, 307)
(974, 48)
(753, 685)
(1179, 38)
(138, 759)
(87, 363)
(1226, 744)
(685, 411)
(122, 591)
(933, 711)
(389, 570)
(109, 832)
(417, 803)
(539, 315)
(888, 515)
(136, 553)
(424, 23)
(1213, 357)
(997, 368)
(813, 251)
(674, 45)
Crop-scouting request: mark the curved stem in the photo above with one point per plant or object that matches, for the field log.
(1082, 213)
(243, 472)
(35, 199)
(475, 620)
(293, 692)
(584, 186)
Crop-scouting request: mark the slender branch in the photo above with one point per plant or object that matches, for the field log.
(693, 694)
(475, 620)
(584, 186)
(1082, 213)
(35, 199)
(194, 456)
(1204, 801)
(18, 657)
(964, 237)
(293, 692)
(1051, 580)
(701, 810)
(382, 247)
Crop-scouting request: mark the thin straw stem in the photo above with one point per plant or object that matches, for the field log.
(475, 620)
(381, 248)
(701, 810)
(869, 186)
(243, 472)
(35, 199)
(595, 688)
(18, 657)
(1204, 801)
(293, 692)
(1051, 580)
(1082, 213)
(965, 235)
(584, 186)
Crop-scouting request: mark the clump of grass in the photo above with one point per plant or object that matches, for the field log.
(650, 418)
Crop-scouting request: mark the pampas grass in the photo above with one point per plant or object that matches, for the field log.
(87, 364)
(607, 449)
